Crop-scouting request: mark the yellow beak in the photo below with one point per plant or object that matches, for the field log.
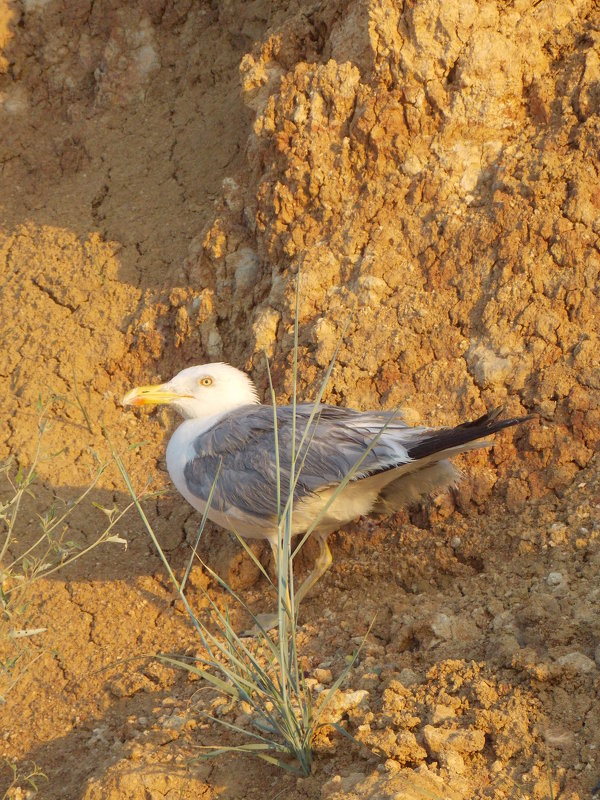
(151, 396)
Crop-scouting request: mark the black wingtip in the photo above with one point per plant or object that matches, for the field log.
(447, 438)
(488, 423)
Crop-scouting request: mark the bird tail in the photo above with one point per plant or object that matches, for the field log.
(460, 438)
(430, 469)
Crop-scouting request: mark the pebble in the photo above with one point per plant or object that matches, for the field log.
(554, 579)
(576, 662)
(408, 677)
(323, 675)
(442, 740)
(174, 722)
(558, 534)
(441, 626)
(343, 784)
(441, 712)
(341, 703)
(454, 761)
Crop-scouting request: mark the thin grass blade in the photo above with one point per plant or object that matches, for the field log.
(202, 525)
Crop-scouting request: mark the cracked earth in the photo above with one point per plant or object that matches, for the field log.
(433, 166)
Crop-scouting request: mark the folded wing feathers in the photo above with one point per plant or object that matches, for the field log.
(244, 444)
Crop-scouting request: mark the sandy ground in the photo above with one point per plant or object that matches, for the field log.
(129, 249)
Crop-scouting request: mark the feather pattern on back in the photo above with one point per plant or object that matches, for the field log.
(244, 444)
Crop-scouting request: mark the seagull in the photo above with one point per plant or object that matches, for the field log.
(228, 433)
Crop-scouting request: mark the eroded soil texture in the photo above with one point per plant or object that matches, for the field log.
(431, 169)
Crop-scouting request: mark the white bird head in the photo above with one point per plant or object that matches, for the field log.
(207, 390)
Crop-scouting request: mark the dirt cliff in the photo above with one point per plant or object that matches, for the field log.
(429, 169)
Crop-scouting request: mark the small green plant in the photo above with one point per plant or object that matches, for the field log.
(24, 562)
(26, 777)
(263, 672)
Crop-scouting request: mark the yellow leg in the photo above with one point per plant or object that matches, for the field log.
(322, 564)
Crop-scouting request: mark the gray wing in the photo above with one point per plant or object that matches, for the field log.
(244, 443)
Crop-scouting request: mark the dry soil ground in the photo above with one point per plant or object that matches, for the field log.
(150, 219)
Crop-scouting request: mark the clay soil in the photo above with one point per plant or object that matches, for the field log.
(164, 168)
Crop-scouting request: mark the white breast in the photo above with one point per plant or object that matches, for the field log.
(180, 450)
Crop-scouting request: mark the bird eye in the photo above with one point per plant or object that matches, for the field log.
(205, 381)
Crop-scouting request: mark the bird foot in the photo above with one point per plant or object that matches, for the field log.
(264, 622)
